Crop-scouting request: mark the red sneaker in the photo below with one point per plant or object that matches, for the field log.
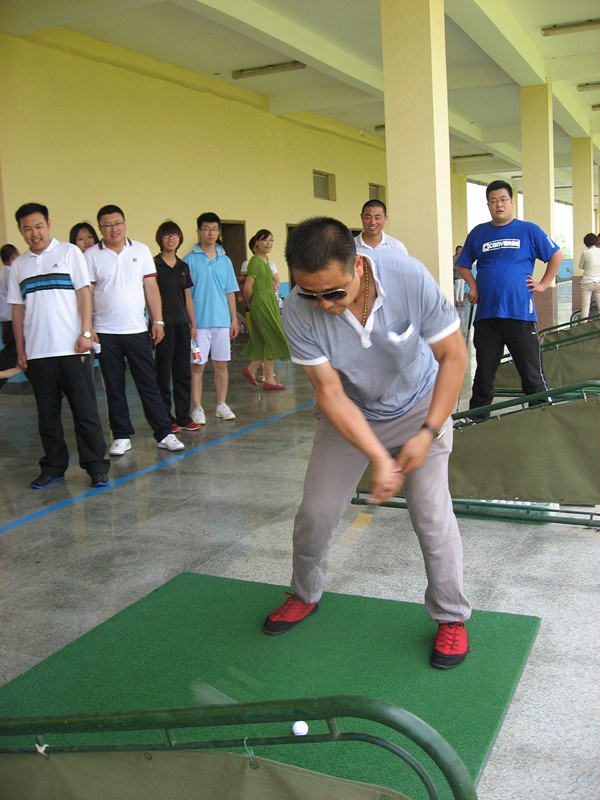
(451, 645)
(192, 426)
(289, 614)
(175, 428)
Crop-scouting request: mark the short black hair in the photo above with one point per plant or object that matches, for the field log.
(165, 228)
(31, 208)
(208, 216)
(495, 186)
(590, 240)
(109, 209)
(7, 251)
(374, 204)
(80, 226)
(313, 244)
(263, 233)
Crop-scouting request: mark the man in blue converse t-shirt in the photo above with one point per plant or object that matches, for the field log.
(505, 250)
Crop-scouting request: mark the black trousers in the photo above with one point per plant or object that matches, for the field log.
(521, 339)
(173, 364)
(8, 354)
(136, 348)
(71, 376)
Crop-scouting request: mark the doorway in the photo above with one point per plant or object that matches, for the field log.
(233, 235)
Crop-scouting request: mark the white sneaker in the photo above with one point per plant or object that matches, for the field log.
(199, 416)
(119, 447)
(224, 412)
(170, 442)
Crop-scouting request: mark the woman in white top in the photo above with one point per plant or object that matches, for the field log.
(590, 282)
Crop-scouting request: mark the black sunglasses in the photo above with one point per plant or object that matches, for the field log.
(330, 294)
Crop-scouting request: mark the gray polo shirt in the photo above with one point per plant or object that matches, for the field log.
(387, 366)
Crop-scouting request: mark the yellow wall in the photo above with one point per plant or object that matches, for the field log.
(85, 124)
(460, 228)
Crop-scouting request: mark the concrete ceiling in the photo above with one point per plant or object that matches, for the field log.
(492, 49)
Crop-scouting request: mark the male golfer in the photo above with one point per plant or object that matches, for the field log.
(384, 352)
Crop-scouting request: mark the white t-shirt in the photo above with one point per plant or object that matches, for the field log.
(46, 284)
(118, 279)
(590, 264)
(387, 243)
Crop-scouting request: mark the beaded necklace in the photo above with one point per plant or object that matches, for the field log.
(366, 303)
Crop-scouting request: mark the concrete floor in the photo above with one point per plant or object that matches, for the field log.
(70, 558)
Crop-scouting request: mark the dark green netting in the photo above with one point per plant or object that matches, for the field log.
(569, 356)
(162, 776)
(544, 454)
(560, 333)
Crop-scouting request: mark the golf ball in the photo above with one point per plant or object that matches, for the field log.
(300, 728)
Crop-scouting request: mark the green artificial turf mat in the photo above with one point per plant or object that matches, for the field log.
(198, 640)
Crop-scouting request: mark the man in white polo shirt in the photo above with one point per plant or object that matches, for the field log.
(49, 290)
(124, 278)
(373, 217)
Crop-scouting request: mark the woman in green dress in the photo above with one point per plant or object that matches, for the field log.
(267, 339)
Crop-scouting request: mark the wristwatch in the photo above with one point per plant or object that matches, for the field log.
(159, 322)
(86, 334)
(437, 433)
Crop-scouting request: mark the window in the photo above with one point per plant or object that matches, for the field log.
(376, 192)
(323, 185)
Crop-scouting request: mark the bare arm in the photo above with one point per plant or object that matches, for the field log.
(551, 269)
(84, 306)
(451, 355)
(350, 423)
(154, 303)
(189, 307)
(467, 274)
(233, 330)
(18, 317)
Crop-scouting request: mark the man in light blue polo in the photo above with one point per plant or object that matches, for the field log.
(214, 294)
(384, 351)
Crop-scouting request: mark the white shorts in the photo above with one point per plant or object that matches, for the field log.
(215, 342)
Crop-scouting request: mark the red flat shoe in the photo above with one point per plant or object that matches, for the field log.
(274, 386)
(249, 377)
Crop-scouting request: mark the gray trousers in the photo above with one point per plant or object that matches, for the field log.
(334, 470)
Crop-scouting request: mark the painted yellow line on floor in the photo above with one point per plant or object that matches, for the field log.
(356, 529)
(363, 520)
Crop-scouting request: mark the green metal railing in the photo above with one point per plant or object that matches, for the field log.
(504, 511)
(575, 321)
(565, 394)
(169, 720)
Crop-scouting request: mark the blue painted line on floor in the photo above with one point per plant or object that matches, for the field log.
(43, 512)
